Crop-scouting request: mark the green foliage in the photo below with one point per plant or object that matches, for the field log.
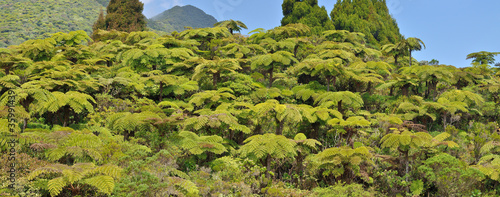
(308, 13)
(483, 57)
(101, 177)
(343, 190)
(166, 108)
(26, 20)
(261, 146)
(370, 17)
(125, 16)
(130, 124)
(198, 144)
(231, 25)
(451, 176)
(345, 162)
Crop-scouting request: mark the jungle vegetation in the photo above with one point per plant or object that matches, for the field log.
(209, 112)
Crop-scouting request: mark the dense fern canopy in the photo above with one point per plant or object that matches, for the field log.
(293, 111)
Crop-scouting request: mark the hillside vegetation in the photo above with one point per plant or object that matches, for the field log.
(22, 20)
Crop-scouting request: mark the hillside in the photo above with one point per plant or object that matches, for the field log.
(176, 18)
(25, 19)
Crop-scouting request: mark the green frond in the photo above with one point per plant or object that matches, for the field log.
(441, 137)
(198, 144)
(104, 184)
(56, 185)
(187, 187)
(260, 146)
(488, 146)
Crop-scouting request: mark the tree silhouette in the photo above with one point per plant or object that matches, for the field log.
(231, 25)
(483, 57)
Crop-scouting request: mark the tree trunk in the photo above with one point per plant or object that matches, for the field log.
(25, 122)
(339, 106)
(258, 129)
(268, 166)
(369, 87)
(410, 57)
(66, 116)
(396, 60)
(328, 84)
(315, 130)
(299, 170)
(405, 90)
(161, 92)
(270, 71)
(279, 127)
(215, 79)
(444, 121)
(26, 104)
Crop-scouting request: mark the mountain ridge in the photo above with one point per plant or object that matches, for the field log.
(178, 17)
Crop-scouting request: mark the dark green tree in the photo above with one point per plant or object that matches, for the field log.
(99, 24)
(125, 15)
(370, 17)
(306, 12)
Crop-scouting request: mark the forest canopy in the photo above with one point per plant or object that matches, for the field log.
(209, 112)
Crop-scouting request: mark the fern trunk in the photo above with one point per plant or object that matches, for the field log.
(369, 87)
(270, 71)
(330, 80)
(300, 161)
(410, 57)
(161, 92)
(315, 130)
(405, 89)
(279, 127)
(25, 103)
(268, 166)
(215, 76)
(444, 121)
(339, 107)
(66, 115)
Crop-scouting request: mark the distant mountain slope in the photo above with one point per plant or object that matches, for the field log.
(176, 18)
(21, 20)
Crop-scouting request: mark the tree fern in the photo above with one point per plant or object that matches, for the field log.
(211, 97)
(101, 177)
(341, 99)
(268, 146)
(344, 162)
(129, 124)
(198, 144)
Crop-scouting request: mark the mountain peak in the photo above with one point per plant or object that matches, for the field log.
(177, 17)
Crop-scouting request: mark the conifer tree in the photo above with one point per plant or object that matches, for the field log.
(100, 23)
(370, 17)
(125, 15)
(308, 13)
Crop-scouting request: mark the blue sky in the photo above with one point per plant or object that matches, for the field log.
(450, 29)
